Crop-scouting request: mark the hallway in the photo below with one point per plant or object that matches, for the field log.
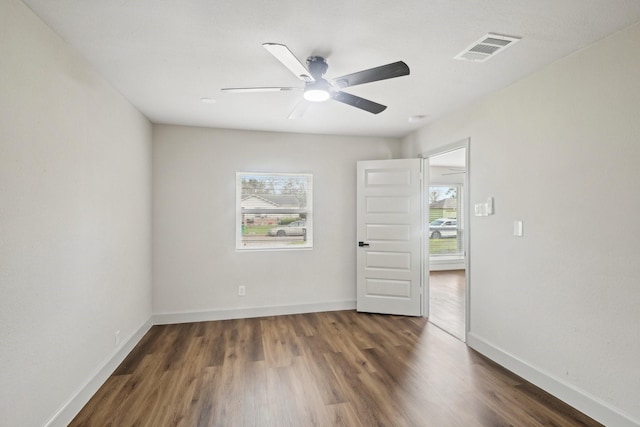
(447, 301)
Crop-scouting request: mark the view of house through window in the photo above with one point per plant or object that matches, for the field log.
(274, 211)
(445, 232)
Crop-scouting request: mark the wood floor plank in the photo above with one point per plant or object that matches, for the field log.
(323, 375)
(447, 300)
(319, 369)
(214, 343)
(104, 401)
(343, 415)
(369, 406)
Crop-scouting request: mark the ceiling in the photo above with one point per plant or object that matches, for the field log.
(164, 56)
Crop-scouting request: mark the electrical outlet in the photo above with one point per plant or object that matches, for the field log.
(117, 342)
(242, 291)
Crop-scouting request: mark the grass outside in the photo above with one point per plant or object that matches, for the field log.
(256, 236)
(443, 246)
(258, 230)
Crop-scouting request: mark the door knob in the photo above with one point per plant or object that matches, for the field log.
(362, 244)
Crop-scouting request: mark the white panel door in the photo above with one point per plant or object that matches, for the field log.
(389, 213)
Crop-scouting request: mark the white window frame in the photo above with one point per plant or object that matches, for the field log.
(274, 243)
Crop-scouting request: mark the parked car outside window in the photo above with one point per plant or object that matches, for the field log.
(296, 228)
(443, 227)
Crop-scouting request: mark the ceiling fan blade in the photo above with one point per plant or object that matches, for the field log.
(389, 71)
(289, 60)
(361, 103)
(258, 89)
(299, 110)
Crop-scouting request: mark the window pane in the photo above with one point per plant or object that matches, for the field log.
(445, 235)
(274, 211)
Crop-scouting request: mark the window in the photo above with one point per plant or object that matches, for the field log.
(445, 236)
(274, 211)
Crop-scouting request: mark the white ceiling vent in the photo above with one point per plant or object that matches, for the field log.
(487, 47)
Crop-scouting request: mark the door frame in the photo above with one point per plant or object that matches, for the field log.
(466, 199)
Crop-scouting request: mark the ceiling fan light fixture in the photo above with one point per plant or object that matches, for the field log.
(316, 95)
(317, 91)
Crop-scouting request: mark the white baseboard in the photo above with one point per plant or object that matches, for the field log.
(249, 312)
(579, 399)
(76, 402)
(440, 263)
(447, 266)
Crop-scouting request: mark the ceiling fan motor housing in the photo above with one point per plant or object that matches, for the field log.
(317, 66)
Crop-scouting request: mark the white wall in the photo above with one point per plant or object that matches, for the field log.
(559, 150)
(195, 264)
(75, 185)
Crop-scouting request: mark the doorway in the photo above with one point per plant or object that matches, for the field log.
(446, 220)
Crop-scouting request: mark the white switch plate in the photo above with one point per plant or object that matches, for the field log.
(490, 206)
(517, 228)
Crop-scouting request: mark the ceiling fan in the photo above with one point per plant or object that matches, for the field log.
(318, 89)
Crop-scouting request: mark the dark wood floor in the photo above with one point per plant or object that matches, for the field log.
(322, 369)
(447, 301)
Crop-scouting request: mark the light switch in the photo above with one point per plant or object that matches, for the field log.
(489, 205)
(517, 228)
(480, 209)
